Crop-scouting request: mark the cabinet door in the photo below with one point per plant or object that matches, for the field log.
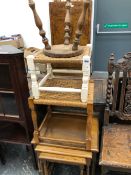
(5, 77)
(10, 104)
(1, 107)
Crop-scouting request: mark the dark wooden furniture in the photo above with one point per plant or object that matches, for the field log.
(116, 140)
(15, 118)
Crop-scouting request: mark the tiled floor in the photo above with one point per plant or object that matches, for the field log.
(19, 162)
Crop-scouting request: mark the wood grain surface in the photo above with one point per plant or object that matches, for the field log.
(57, 18)
(116, 146)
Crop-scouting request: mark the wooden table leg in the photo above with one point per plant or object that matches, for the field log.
(45, 168)
(93, 166)
(2, 155)
(81, 170)
(88, 170)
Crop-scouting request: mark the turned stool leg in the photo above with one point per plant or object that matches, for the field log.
(45, 168)
(104, 170)
(31, 149)
(2, 155)
(81, 170)
(88, 170)
(93, 166)
(40, 167)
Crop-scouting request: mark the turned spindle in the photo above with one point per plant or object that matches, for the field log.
(67, 23)
(109, 88)
(80, 26)
(38, 23)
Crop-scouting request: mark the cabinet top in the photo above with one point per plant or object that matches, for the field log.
(9, 49)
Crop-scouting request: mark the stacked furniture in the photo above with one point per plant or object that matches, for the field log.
(15, 118)
(116, 139)
(69, 131)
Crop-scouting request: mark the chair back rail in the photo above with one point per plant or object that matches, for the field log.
(118, 94)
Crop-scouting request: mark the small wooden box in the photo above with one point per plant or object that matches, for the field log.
(64, 129)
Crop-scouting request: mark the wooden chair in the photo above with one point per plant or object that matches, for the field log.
(116, 142)
(66, 54)
(52, 74)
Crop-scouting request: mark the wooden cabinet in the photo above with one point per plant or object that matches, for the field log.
(15, 118)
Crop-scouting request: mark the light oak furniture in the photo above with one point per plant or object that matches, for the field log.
(116, 139)
(67, 53)
(69, 134)
(65, 72)
(65, 131)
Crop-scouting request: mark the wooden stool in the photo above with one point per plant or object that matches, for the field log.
(66, 73)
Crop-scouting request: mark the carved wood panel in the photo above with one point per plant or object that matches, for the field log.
(120, 100)
(127, 107)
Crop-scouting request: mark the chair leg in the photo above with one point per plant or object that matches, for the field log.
(50, 168)
(93, 165)
(45, 168)
(27, 148)
(81, 170)
(2, 155)
(88, 170)
(40, 167)
(103, 170)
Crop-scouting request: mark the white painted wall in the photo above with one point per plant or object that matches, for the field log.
(16, 17)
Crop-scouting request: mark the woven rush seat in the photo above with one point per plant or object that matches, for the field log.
(68, 83)
(116, 146)
(63, 98)
(74, 67)
(77, 60)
